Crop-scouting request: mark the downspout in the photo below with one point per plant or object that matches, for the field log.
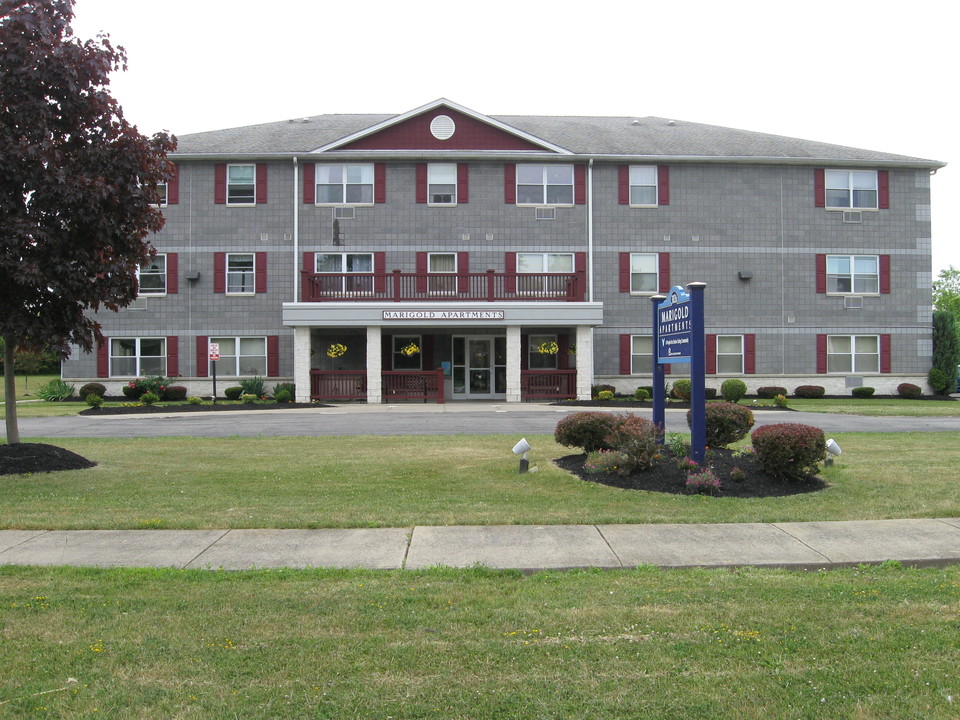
(296, 233)
(590, 230)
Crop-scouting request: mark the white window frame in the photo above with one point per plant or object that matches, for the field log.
(242, 274)
(445, 282)
(433, 170)
(656, 273)
(530, 283)
(853, 276)
(344, 184)
(871, 357)
(163, 193)
(643, 354)
(139, 357)
(847, 181)
(237, 357)
(162, 258)
(636, 173)
(242, 202)
(544, 184)
(727, 355)
(549, 361)
(362, 284)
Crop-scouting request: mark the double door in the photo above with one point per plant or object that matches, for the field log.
(479, 367)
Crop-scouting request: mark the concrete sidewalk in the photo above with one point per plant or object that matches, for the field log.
(809, 545)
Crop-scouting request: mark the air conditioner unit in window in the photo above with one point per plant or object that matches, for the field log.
(852, 302)
(546, 213)
(852, 216)
(343, 213)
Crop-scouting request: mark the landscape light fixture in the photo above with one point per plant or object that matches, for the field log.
(522, 448)
(832, 450)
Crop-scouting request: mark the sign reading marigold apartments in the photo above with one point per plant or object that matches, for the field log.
(443, 314)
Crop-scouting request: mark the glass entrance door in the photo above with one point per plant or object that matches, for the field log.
(479, 367)
(479, 372)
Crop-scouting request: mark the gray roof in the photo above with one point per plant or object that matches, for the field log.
(620, 137)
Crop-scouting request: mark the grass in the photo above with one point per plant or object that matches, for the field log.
(876, 406)
(445, 480)
(867, 643)
(26, 385)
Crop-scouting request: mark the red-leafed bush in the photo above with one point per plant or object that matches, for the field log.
(789, 450)
(770, 391)
(909, 391)
(637, 437)
(809, 391)
(726, 423)
(175, 392)
(587, 430)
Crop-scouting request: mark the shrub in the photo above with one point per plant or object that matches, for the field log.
(737, 475)
(55, 391)
(678, 444)
(733, 390)
(909, 391)
(703, 482)
(194, 400)
(608, 461)
(809, 391)
(726, 423)
(136, 388)
(249, 398)
(682, 389)
(595, 390)
(94, 400)
(637, 437)
(282, 396)
(648, 388)
(174, 393)
(93, 388)
(641, 393)
(939, 381)
(587, 430)
(789, 450)
(770, 391)
(291, 388)
(863, 392)
(605, 395)
(710, 393)
(233, 393)
(253, 386)
(780, 401)
(132, 391)
(149, 398)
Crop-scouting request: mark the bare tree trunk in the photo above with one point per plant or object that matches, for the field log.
(10, 390)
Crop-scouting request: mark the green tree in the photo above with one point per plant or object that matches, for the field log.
(946, 351)
(78, 185)
(946, 292)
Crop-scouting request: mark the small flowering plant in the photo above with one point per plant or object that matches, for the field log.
(703, 482)
(548, 348)
(609, 461)
(688, 465)
(336, 350)
(410, 349)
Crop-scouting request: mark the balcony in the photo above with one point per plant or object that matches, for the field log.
(398, 287)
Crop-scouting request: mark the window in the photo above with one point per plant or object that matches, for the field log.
(853, 353)
(445, 265)
(152, 277)
(241, 184)
(856, 274)
(729, 354)
(345, 264)
(240, 274)
(541, 360)
(442, 184)
(138, 357)
(545, 184)
(856, 189)
(644, 273)
(344, 184)
(543, 263)
(402, 360)
(241, 356)
(643, 185)
(162, 194)
(641, 354)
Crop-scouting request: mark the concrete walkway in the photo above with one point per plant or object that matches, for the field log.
(809, 545)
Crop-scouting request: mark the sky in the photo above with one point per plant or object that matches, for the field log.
(878, 75)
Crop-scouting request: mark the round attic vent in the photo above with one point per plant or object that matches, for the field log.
(442, 127)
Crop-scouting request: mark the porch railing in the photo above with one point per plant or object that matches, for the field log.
(398, 286)
(397, 385)
(548, 384)
(338, 385)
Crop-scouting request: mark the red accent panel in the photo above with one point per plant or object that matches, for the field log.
(750, 354)
(580, 184)
(173, 356)
(819, 189)
(463, 268)
(821, 354)
(422, 272)
(426, 352)
(379, 183)
(219, 272)
(884, 274)
(563, 352)
(310, 262)
(623, 185)
(260, 273)
(524, 352)
(664, 272)
(667, 368)
(711, 354)
(624, 272)
(173, 185)
(261, 183)
(309, 184)
(626, 353)
(203, 355)
(885, 353)
(220, 183)
(414, 134)
(386, 352)
(421, 182)
(172, 281)
(510, 269)
(103, 358)
(463, 183)
(663, 185)
(510, 184)
(273, 355)
(380, 272)
(821, 273)
(883, 189)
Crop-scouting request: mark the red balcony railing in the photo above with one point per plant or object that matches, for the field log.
(397, 385)
(398, 286)
(548, 384)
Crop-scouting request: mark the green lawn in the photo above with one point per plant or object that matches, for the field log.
(26, 386)
(877, 406)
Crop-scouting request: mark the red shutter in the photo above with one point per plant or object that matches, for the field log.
(819, 189)
(463, 269)
(386, 352)
(510, 184)
(623, 185)
(309, 184)
(261, 183)
(883, 189)
(664, 272)
(663, 185)
(510, 270)
(379, 183)
(203, 356)
(750, 354)
(220, 183)
(273, 355)
(626, 355)
(310, 262)
(172, 282)
(624, 272)
(426, 352)
(580, 184)
(711, 354)
(379, 272)
(667, 368)
(821, 354)
(421, 272)
(885, 353)
(580, 266)
(173, 356)
(260, 273)
(103, 358)
(219, 272)
(463, 183)
(884, 274)
(563, 352)
(421, 182)
(821, 273)
(524, 352)
(173, 185)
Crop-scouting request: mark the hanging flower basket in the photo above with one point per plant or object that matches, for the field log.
(410, 350)
(336, 350)
(548, 348)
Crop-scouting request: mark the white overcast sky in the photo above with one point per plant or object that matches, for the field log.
(880, 75)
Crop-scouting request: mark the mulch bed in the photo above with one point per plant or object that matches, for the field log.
(667, 477)
(672, 405)
(39, 457)
(148, 409)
